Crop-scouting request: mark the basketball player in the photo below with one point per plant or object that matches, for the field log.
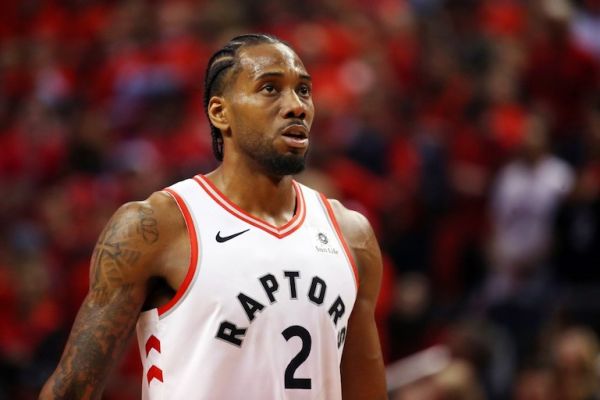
(242, 283)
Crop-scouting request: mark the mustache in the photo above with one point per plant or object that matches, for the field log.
(296, 122)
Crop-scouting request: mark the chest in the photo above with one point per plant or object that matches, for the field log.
(308, 265)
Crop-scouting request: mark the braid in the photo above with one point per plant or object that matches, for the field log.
(214, 81)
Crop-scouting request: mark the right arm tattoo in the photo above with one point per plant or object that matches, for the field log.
(107, 317)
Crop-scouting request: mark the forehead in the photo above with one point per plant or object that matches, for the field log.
(269, 57)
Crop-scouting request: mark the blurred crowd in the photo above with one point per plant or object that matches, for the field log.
(468, 132)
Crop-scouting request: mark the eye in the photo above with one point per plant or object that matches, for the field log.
(304, 90)
(268, 88)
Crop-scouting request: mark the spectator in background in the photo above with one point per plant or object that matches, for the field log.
(535, 382)
(527, 193)
(575, 353)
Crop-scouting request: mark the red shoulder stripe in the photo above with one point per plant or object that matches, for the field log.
(194, 256)
(338, 231)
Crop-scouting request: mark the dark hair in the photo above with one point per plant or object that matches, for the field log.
(214, 80)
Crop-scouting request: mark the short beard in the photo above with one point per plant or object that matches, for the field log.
(273, 163)
(283, 164)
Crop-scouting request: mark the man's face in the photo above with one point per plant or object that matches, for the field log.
(270, 108)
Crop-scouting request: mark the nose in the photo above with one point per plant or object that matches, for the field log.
(293, 106)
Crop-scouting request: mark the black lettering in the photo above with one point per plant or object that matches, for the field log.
(229, 332)
(250, 305)
(270, 285)
(337, 309)
(319, 285)
(341, 337)
(292, 275)
(291, 382)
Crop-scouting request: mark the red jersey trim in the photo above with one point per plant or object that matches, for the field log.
(279, 232)
(194, 256)
(338, 231)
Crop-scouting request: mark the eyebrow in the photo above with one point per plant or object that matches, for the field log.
(279, 75)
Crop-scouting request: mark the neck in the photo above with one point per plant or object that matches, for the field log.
(271, 199)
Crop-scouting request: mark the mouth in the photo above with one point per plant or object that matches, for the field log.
(295, 135)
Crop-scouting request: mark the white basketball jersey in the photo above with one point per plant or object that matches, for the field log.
(263, 310)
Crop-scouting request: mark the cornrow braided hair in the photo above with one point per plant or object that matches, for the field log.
(214, 80)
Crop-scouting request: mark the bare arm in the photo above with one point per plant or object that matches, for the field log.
(122, 263)
(362, 369)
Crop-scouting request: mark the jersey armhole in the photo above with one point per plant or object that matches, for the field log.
(340, 236)
(193, 238)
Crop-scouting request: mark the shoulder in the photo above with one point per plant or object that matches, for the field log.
(164, 207)
(154, 218)
(355, 227)
(143, 232)
(358, 234)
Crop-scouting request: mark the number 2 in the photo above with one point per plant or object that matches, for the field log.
(304, 335)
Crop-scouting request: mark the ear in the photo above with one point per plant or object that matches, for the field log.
(217, 113)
